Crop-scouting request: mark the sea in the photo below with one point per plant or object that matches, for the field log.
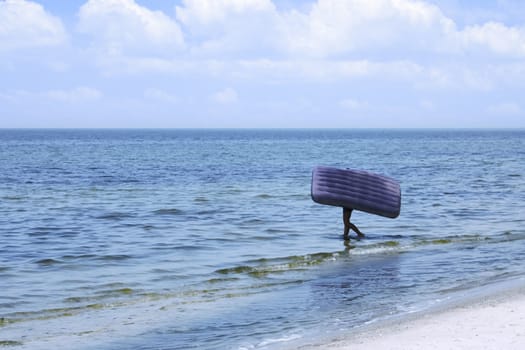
(209, 239)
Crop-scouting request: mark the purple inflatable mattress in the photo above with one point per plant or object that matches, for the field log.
(356, 189)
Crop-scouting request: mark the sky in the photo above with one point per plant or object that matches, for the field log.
(262, 63)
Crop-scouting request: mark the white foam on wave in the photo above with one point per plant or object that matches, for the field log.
(379, 249)
(271, 342)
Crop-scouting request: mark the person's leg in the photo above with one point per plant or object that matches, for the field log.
(347, 213)
(346, 221)
(356, 230)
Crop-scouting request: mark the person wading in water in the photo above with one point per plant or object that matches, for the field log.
(348, 225)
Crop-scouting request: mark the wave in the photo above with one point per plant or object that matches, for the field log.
(48, 262)
(393, 245)
(167, 211)
(114, 216)
(263, 267)
(249, 277)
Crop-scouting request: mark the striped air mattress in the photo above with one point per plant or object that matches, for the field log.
(356, 189)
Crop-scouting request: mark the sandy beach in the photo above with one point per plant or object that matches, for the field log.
(495, 321)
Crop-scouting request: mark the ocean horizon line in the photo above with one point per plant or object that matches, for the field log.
(277, 128)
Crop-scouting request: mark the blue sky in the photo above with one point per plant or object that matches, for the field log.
(262, 63)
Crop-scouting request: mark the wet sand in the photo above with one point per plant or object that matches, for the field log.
(495, 321)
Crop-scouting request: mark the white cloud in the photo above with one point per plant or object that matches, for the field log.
(456, 76)
(403, 27)
(328, 40)
(334, 27)
(305, 70)
(244, 28)
(352, 104)
(379, 54)
(124, 26)
(75, 95)
(505, 109)
(225, 97)
(495, 37)
(16, 96)
(160, 95)
(25, 24)
(330, 27)
(6, 97)
(203, 12)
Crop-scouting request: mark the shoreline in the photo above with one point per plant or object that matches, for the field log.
(487, 317)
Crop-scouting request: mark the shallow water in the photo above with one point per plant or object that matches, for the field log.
(177, 239)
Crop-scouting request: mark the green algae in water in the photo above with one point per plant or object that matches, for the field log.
(238, 269)
(221, 280)
(95, 306)
(10, 343)
(259, 273)
(73, 300)
(125, 291)
(265, 267)
(442, 241)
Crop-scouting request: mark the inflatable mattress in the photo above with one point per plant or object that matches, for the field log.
(356, 189)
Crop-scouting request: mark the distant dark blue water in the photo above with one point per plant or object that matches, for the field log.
(208, 239)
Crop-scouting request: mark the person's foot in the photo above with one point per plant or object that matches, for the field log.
(356, 230)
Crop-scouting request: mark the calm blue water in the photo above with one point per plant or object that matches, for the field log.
(208, 239)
